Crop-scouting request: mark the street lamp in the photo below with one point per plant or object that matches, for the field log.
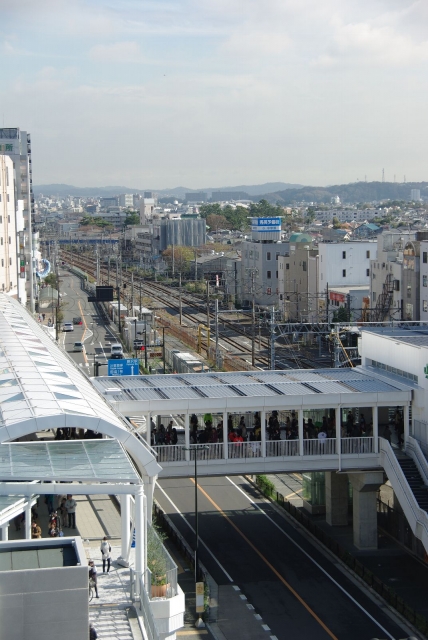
(195, 448)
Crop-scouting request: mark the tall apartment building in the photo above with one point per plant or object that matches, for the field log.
(396, 277)
(17, 145)
(298, 280)
(126, 200)
(259, 263)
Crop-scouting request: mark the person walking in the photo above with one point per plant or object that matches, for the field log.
(93, 576)
(105, 549)
(70, 506)
(93, 635)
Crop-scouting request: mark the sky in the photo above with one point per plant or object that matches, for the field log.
(155, 94)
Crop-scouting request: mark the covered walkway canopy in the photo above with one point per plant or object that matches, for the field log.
(41, 389)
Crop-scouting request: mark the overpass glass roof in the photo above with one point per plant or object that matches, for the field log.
(293, 382)
(37, 379)
(66, 460)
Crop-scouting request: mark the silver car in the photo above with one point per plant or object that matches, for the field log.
(78, 347)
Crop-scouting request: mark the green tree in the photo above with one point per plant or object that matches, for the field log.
(341, 315)
(132, 218)
(206, 210)
(263, 209)
(180, 256)
(51, 280)
(237, 217)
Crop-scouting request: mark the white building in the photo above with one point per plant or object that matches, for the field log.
(415, 195)
(17, 145)
(8, 235)
(345, 263)
(347, 215)
(423, 264)
(147, 207)
(126, 200)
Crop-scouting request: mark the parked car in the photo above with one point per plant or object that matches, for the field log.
(116, 351)
(77, 320)
(67, 326)
(78, 347)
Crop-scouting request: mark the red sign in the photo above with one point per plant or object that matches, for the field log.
(337, 297)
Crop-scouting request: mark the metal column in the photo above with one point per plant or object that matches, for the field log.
(225, 434)
(300, 418)
(263, 431)
(375, 417)
(187, 436)
(139, 533)
(125, 518)
(28, 518)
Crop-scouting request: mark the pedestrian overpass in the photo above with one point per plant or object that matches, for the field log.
(310, 394)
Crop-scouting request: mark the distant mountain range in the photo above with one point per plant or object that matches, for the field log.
(62, 190)
(349, 193)
(275, 192)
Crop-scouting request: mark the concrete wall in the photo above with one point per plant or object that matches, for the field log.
(44, 604)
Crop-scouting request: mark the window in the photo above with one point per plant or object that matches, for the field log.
(10, 240)
(2, 262)
(425, 305)
(268, 255)
(276, 273)
(269, 291)
(1, 240)
(343, 273)
(374, 296)
(424, 257)
(344, 255)
(367, 254)
(8, 218)
(304, 265)
(368, 273)
(287, 266)
(269, 275)
(10, 261)
(424, 281)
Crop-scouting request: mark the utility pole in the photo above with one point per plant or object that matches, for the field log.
(253, 321)
(217, 352)
(141, 293)
(196, 267)
(108, 271)
(327, 301)
(118, 308)
(208, 304)
(180, 301)
(97, 255)
(272, 339)
(132, 293)
(173, 261)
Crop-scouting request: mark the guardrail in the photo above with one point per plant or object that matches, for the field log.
(140, 597)
(416, 517)
(415, 450)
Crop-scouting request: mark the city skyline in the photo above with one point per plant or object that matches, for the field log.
(193, 93)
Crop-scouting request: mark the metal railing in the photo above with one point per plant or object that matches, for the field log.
(319, 447)
(277, 448)
(416, 517)
(274, 449)
(357, 445)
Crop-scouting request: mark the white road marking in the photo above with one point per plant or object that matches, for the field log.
(192, 529)
(312, 560)
(265, 627)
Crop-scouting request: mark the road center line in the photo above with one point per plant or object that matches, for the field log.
(266, 561)
(228, 576)
(312, 559)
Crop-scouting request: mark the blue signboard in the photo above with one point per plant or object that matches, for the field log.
(266, 224)
(125, 367)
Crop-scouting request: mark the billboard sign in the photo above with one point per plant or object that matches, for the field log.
(265, 225)
(123, 367)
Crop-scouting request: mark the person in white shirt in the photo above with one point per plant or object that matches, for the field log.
(105, 549)
(70, 505)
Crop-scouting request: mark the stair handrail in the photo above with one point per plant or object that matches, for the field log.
(413, 448)
(416, 517)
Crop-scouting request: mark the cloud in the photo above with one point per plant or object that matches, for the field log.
(117, 52)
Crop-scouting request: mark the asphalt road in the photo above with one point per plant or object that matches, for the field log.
(295, 590)
(299, 593)
(94, 334)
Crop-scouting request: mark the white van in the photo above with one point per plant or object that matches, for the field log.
(116, 350)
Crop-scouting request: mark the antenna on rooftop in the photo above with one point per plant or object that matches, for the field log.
(383, 175)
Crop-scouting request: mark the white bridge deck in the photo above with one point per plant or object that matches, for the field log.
(222, 394)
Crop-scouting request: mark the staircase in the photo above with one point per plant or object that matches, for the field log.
(111, 623)
(414, 479)
(407, 476)
(383, 303)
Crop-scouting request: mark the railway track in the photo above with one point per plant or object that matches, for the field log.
(169, 297)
